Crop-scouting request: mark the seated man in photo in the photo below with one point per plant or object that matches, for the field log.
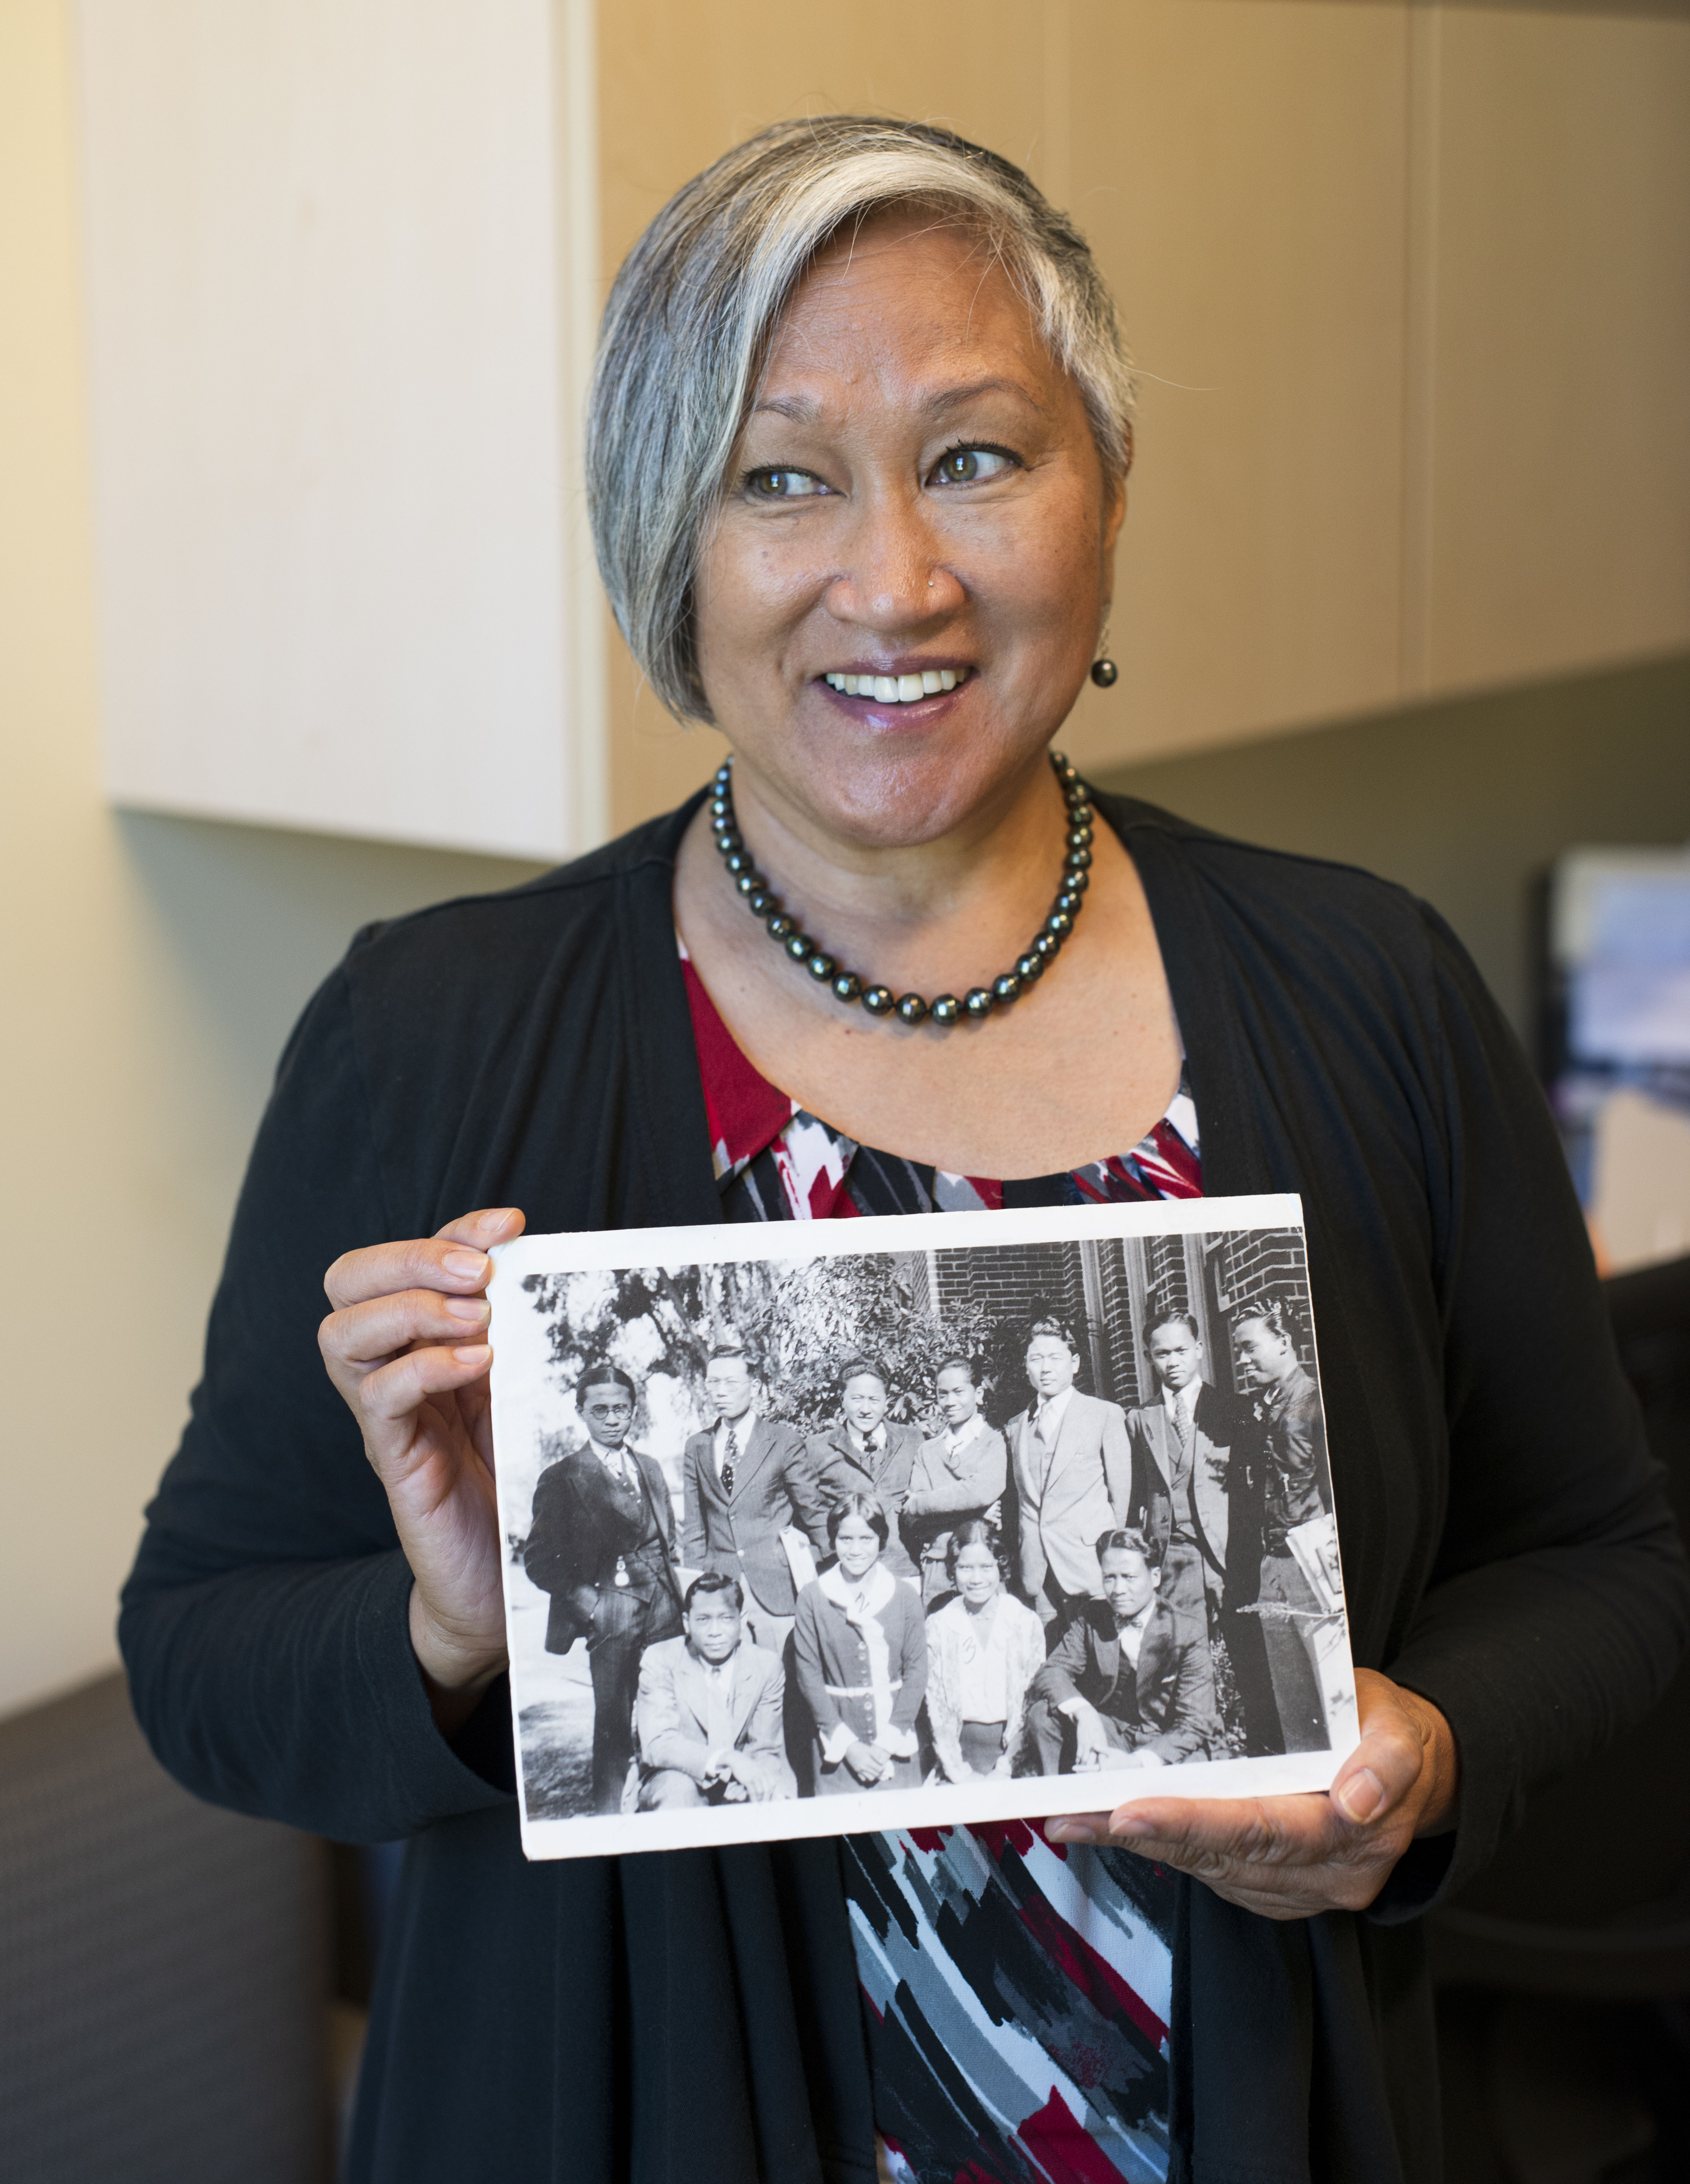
(708, 1716)
(1129, 1683)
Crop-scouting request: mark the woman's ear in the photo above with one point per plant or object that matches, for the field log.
(1115, 503)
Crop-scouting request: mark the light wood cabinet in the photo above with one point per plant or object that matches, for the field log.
(1408, 286)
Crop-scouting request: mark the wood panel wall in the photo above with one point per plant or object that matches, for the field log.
(1408, 286)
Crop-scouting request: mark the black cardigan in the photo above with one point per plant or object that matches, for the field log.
(1506, 1542)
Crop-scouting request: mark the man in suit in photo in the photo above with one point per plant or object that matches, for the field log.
(1297, 1497)
(1197, 1481)
(746, 1479)
(601, 1543)
(709, 1713)
(960, 1473)
(1184, 1447)
(1129, 1683)
(867, 1453)
(1071, 1468)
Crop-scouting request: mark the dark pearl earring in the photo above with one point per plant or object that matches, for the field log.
(1105, 674)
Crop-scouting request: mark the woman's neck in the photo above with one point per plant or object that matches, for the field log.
(921, 913)
(1081, 1066)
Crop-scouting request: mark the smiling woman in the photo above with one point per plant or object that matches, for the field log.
(858, 457)
(923, 490)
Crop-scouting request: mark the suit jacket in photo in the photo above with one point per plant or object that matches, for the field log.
(1068, 1496)
(774, 1485)
(583, 1520)
(884, 1473)
(1295, 1480)
(1223, 1426)
(1166, 1702)
(671, 1714)
(953, 1487)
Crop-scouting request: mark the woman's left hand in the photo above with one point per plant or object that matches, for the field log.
(1289, 1857)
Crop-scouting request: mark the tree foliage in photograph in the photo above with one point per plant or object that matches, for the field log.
(796, 1323)
(833, 1310)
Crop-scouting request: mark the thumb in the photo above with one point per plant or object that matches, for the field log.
(1384, 1766)
(493, 1225)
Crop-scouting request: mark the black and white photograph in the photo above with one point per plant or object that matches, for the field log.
(918, 1520)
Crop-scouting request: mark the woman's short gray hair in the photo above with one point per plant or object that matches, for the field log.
(690, 319)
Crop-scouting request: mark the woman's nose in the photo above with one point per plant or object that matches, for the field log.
(892, 578)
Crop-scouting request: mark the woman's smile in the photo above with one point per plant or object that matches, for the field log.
(900, 699)
(917, 496)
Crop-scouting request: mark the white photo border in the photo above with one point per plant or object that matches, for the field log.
(938, 1805)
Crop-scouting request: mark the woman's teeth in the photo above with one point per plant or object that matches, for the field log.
(898, 689)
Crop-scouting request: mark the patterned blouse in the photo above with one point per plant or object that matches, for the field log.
(1018, 1989)
(970, 1678)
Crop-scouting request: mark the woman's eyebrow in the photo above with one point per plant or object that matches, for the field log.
(800, 408)
(953, 397)
(808, 408)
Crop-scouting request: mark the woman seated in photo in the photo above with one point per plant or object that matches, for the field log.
(860, 1647)
(984, 1650)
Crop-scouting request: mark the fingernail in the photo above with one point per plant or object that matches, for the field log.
(474, 1353)
(469, 1265)
(1126, 1825)
(496, 1219)
(1073, 1831)
(1362, 1795)
(473, 1307)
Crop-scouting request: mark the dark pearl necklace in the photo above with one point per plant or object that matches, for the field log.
(879, 1001)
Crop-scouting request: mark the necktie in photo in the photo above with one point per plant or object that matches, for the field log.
(718, 1701)
(731, 1458)
(620, 1469)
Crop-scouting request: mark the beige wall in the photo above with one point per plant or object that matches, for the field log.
(1410, 286)
(1559, 435)
(152, 969)
(1318, 315)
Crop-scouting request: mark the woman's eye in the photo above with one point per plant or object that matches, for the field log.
(970, 466)
(784, 485)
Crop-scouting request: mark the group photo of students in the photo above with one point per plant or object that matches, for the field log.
(974, 1562)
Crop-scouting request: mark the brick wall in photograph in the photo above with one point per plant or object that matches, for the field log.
(1127, 1374)
(1013, 1281)
(1164, 1272)
(1268, 1262)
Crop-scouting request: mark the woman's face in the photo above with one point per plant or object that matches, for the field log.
(857, 1547)
(916, 493)
(978, 1577)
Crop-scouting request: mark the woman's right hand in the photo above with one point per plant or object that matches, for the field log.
(867, 1764)
(406, 1346)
